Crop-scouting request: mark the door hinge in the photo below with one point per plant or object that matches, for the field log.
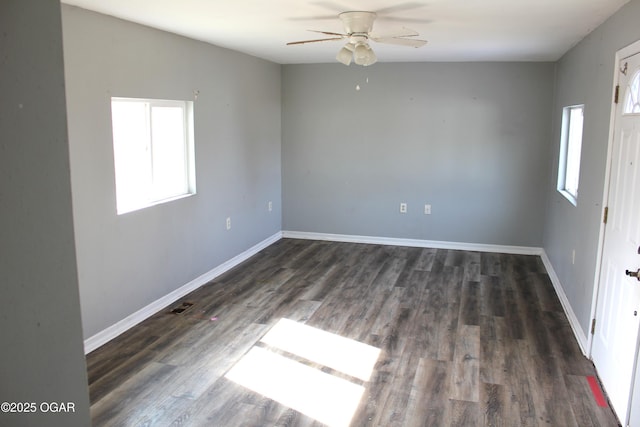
(593, 326)
(616, 94)
(606, 214)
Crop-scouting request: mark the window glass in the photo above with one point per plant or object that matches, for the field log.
(632, 97)
(570, 151)
(152, 148)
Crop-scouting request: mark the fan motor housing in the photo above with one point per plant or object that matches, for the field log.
(357, 22)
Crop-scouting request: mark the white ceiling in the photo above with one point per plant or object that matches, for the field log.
(457, 30)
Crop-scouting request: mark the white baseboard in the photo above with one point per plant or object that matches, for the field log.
(573, 320)
(130, 321)
(520, 250)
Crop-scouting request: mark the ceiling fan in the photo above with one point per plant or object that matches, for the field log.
(358, 28)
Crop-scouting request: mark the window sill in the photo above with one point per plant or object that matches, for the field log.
(570, 197)
(156, 203)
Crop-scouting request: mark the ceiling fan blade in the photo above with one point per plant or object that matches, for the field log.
(403, 42)
(313, 41)
(405, 32)
(329, 33)
(327, 5)
(400, 7)
(313, 18)
(401, 19)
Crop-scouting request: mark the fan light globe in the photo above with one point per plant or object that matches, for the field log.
(345, 54)
(363, 55)
(371, 57)
(360, 53)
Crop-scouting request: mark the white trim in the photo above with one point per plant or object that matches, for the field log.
(520, 250)
(582, 339)
(625, 52)
(565, 145)
(130, 321)
(630, 50)
(133, 319)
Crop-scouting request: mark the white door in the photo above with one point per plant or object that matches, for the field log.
(634, 418)
(618, 306)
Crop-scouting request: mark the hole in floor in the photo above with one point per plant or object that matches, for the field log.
(182, 308)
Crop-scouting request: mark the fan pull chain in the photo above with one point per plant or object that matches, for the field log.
(358, 85)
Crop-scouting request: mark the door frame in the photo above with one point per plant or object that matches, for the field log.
(625, 52)
(620, 54)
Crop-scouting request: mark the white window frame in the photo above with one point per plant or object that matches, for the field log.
(632, 96)
(570, 153)
(152, 194)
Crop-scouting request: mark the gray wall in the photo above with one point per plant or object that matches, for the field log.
(585, 76)
(126, 262)
(42, 358)
(471, 139)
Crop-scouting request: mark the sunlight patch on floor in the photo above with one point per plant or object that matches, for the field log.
(326, 398)
(333, 351)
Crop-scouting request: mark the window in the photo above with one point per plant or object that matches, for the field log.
(570, 149)
(632, 99)
(153, 151)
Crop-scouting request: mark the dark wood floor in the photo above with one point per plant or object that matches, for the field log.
(466, 339)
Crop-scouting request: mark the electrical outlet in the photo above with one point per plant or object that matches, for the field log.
(427, 209)
(229, 223)
(403, 208)
(270, 206)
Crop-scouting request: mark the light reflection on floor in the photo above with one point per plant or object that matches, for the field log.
(327, 398)
(342, 354)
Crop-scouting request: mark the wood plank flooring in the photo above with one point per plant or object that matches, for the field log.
(465, 339)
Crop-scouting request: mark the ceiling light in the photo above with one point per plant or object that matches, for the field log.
(357, 30)
(346, 54)
(360, 53)
(371, 57)
(363, 55)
